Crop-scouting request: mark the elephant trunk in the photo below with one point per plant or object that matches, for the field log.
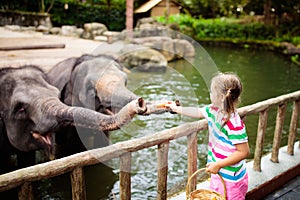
(115, 98)
(86, 118)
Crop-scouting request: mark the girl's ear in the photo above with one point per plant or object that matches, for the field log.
(223, 97)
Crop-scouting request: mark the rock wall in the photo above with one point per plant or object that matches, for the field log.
(25, 19)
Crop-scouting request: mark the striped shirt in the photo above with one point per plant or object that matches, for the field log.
(222, 142)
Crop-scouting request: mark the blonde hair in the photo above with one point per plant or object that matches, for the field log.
(229, 85)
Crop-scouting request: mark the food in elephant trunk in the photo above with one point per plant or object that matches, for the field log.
(31, 112)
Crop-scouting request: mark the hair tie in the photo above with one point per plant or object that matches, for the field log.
(228, 92)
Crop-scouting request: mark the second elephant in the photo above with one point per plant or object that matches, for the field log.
(95, 82)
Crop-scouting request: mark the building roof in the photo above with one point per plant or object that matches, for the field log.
(147, 6)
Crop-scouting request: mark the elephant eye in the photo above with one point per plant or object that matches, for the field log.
(20, 111)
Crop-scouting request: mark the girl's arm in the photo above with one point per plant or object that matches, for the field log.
(242, 152)
(188, 111)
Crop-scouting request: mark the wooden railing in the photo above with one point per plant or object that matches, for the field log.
(75, 163)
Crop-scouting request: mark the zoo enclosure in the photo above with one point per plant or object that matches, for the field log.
(74, 164)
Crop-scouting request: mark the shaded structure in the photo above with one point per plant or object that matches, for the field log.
(154, 8)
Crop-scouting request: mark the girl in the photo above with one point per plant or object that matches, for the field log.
(228, 141)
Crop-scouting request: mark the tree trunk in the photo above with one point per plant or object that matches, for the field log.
(267, 11)
(129, 17)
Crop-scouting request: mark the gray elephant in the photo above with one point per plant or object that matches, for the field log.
(97, 82)
(31, 112)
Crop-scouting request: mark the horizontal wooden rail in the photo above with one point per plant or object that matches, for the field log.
(75, 163)
(67, 164)
(263, 105)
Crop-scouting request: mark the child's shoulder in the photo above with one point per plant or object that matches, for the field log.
(235, 122)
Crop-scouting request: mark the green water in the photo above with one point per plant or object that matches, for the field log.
(264, 75)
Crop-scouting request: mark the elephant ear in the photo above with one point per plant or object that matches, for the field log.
(60, 74)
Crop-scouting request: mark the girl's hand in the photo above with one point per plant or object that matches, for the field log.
(172, 106)
(213, 168)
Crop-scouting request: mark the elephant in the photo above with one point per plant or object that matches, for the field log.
(97, 82)
(31, 112)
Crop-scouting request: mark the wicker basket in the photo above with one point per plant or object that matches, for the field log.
(204, 194)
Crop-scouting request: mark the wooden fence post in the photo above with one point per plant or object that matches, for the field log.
(162, 167)
(278, 132)
(125, 176)
(192, 159)
(25, 191)
(293, 127)
(261, 132)
(78, 184)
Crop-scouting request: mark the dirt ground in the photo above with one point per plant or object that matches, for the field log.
(45, 58)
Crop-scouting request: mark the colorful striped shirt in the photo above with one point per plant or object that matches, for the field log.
(222, 141)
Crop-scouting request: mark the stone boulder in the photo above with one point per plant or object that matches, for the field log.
(94, 29)
(72, 31)
(142, 58)
(172, 49)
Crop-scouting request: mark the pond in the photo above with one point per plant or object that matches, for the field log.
(264, 75)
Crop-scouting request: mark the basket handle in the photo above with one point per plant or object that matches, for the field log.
(197, 172)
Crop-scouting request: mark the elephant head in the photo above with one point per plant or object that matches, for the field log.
(31, 112)
(97, 82)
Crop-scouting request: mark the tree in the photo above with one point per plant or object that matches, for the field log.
(129, 15)
(267, 11)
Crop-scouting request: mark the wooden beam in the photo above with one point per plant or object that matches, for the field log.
(78, 184)
(293, 127)
(162, 167)
(25, 192)
(125, 177)
(32, 47)
(261, 132)
(192, 159)
(278, 132)
(95, 156)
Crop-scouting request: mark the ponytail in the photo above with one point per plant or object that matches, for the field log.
(228, 105)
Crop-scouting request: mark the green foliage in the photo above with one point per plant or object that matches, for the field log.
(295, 59)
(113, 16)
(219, 29)
(296, 41)
(79, 13)
(226, 28)
(185, 22)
